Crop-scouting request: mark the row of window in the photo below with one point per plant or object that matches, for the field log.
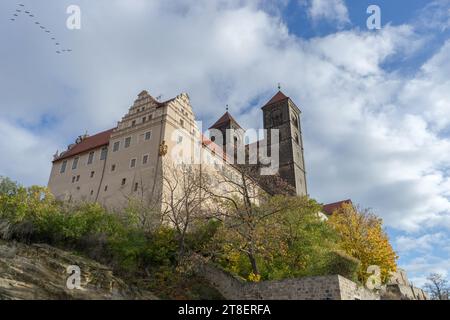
(143, 120)
(124, 181)
(103, 153)
(133, 163)
(127, 142)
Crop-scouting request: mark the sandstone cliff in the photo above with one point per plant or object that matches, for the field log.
(40, 272)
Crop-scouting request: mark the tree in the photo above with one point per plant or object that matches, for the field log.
(144, 207)
(7, 186)
(438, 287)
(361, 236)
(291, 242)
(183, 200)
(238, 200)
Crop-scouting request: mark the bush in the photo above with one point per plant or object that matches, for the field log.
(340, 263)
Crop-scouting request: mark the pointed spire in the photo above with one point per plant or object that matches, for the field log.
(280, 96)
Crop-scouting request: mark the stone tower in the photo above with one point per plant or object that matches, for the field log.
(281, 113)
(226, 123)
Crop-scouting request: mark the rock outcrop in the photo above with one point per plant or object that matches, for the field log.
(40, 272)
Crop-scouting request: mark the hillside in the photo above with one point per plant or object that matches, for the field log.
(40, 272)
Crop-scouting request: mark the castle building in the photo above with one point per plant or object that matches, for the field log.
(113, 166)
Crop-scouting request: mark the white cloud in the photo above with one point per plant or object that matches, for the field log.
(423, 243)
(329, 10)
(25, 157)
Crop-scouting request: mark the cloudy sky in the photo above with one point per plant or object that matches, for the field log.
(375, 103)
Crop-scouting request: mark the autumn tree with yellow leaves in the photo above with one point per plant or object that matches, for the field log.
(361, 235)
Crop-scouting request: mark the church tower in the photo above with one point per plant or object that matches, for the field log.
(225, 124)
(281, 113)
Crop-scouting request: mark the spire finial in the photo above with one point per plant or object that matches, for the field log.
(227, 108)
(279, 86)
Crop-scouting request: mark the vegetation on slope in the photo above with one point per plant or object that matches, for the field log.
(288, 240)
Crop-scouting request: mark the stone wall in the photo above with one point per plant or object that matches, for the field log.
(400, 288)
(333, 287)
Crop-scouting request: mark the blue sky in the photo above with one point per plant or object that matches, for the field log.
(375, 102)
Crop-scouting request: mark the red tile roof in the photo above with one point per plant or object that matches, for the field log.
(226, 118)
(332, 207)
(280, 96)
(90, 143)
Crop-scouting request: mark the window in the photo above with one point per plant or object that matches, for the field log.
(136, 186)
(92, 192)
(75, 163)
(150, 117)
(144, 119)
(295, 121)
(63, 166)
(113, 168)
(106, 188)
(104, 153)
(180, 139)
(133, 163)
(116, 146)
(296, 139)
(148, 135)
(127, 142)
(145, 159)
(133, 123)
(78, 178)
(91, 157)
(73, 179)
(92, 174)
(124, 181)
(182, 123)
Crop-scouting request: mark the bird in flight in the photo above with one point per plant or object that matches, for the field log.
(22, 9)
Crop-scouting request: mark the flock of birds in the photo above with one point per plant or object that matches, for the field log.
(22, 10)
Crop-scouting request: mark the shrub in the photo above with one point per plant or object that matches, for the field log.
(338, 262)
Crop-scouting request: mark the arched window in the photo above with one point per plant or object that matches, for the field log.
(295, 121)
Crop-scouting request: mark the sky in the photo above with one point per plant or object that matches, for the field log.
(375, 103)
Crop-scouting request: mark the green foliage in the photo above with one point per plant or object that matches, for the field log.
(338, 262)
(34, 215)
(292, 242)
(201, 235)
(7, 186)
